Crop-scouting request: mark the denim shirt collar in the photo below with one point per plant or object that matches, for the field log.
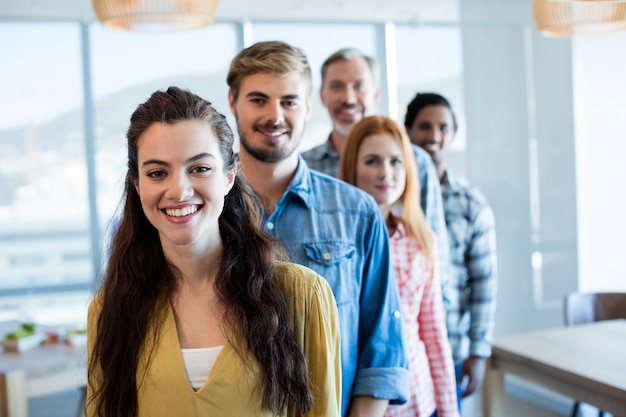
(300, 184)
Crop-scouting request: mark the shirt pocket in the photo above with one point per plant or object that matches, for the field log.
(336, 262)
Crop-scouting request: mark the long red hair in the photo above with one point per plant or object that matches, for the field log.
(412, 216)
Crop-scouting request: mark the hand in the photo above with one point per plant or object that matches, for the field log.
(474, 370)
(367, 407)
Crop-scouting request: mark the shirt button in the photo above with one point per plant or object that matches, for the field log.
(270, 226)
(327, 256)
(396, 314)
(467, 290)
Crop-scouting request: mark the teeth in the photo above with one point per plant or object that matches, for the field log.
(274, 134)
(181, 212)
(350, 110)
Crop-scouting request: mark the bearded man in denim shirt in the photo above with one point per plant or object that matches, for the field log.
(323, 223)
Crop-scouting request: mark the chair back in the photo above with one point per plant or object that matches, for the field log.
(580, 308)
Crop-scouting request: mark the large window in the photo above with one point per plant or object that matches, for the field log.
(430, 59)
(66, 95)
(128, 67)
(47, 255)
(44, 210)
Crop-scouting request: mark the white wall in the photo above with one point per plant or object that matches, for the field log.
(521, 153)
(546, 137)
(600, 97)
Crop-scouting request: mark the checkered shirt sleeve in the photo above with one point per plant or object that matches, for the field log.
(471, 231)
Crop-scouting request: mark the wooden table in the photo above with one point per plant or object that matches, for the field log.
(40, 371)
(586, 363)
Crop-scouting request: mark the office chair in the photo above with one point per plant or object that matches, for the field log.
(581, 308)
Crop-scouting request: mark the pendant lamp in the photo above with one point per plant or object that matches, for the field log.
(560, 18)
(155, 15)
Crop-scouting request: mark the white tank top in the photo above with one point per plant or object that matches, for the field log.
(198, 364)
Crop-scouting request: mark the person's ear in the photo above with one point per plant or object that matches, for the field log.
(408, 134)
(230, 180)
(377, 95)
(309, 107)
(323, 96)
(231, 102)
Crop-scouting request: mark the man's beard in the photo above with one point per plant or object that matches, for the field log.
(344, 128)
(270, 154)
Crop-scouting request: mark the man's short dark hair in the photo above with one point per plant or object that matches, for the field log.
(422, 100)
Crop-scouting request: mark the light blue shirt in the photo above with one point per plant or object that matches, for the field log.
(338, 231)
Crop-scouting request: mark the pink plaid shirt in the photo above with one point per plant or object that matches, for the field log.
(433, 384)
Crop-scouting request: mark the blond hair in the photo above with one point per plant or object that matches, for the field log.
(272, 57)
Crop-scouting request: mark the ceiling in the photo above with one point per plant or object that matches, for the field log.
(406, 11)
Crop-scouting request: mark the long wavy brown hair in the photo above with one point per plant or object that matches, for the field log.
(139, 281)
(412, 215)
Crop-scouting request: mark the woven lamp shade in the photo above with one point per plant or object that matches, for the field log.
(155, 15)
(562, 18)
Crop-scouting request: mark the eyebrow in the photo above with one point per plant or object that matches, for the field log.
(341, 81)
(428, 122)
(376, 155)
(259, 94)
(187, 162)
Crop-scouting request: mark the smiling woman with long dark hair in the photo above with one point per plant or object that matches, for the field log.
(195, 315)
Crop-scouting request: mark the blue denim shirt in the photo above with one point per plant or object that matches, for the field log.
(338, 231)
(325, 158)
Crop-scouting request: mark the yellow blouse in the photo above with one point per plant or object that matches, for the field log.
(231, 388)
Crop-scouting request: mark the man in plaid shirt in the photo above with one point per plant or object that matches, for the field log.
(350, 91)
(471, 231)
